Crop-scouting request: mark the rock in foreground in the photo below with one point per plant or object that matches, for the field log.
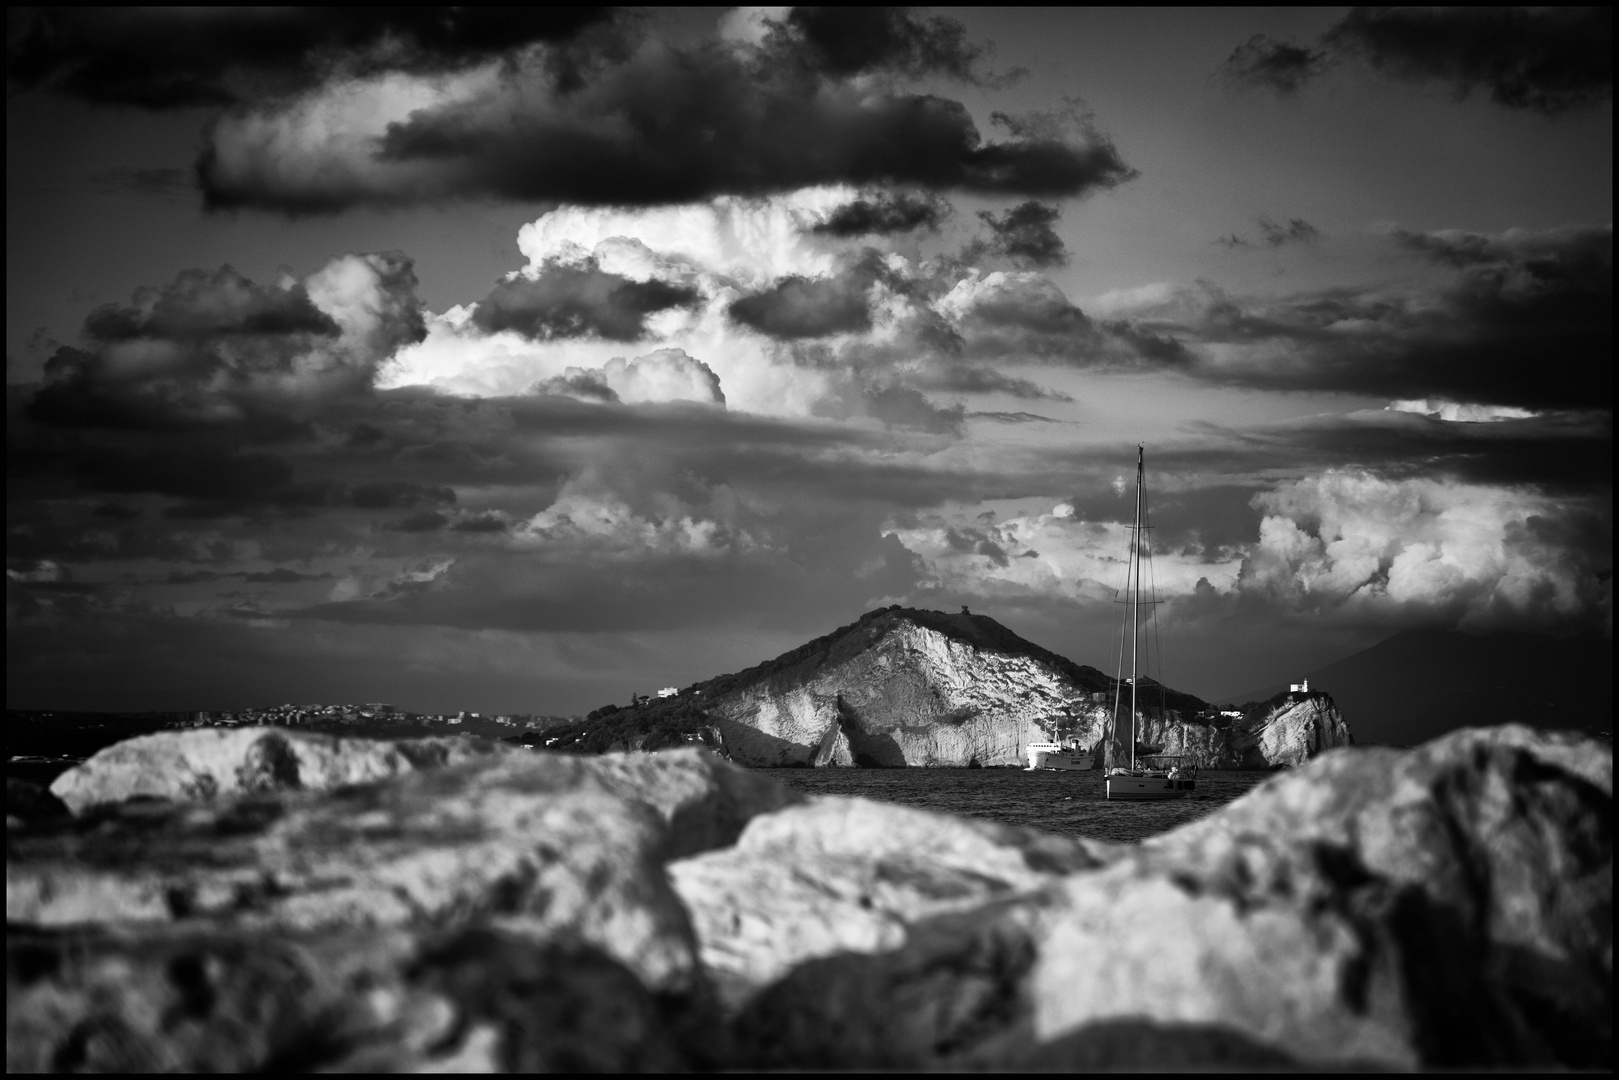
(1446, 907)
(208, 763)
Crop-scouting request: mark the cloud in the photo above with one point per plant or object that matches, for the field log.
(800, 307)
(883, 213)
(662, 124)
(852, 41)
(1296, 231)
(212, 348)
(1547, 60)
(1276, 65)
(1459, 412)
(391, 494)
(663, 376)
(159, 58)
(792, 320)
(1022, 316)
(1025, 234)
(1525, 320)
(1349, 544)
(555, 300)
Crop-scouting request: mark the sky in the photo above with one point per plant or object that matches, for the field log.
(524, 360)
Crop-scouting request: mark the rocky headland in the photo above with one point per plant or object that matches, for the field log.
(903, 686)
(1444, 907)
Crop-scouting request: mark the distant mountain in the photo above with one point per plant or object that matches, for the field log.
(904, 686)
(1419, 684)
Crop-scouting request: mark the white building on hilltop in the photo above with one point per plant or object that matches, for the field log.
(1299, 687)
(668, 691)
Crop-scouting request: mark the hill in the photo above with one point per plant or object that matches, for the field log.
(1420, 684)
(906, 686)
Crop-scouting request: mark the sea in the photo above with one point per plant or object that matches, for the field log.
(1070, 803)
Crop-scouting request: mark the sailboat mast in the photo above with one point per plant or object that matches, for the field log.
(1135, 599)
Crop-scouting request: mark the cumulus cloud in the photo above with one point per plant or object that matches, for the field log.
(666, 375)
(1352, 545)
(656, 124)
(215, 347)
(1054, 552)
(791, 318)
(1548, 60)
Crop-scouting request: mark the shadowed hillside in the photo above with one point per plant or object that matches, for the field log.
(1420, 684)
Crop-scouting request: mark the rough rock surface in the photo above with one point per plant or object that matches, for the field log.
(209, 762)
(1451, 907)
(915, 696)
(849, 875)
(203, 1000)
(1448, 907)
(556, 847)
(1289, 733)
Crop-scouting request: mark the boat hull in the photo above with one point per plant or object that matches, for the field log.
(1148, 788)
(1059, 760)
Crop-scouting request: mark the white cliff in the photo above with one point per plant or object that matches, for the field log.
(910, 687)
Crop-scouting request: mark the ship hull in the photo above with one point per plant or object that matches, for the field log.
(1148, 788)
(1059, 760)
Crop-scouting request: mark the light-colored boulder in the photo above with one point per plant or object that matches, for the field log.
(840, 875)
(556, 847)
(1448, 907)
(206, 763)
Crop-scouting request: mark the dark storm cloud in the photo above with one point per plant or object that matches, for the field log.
(661, 125)
(1548, 60)
(1276, 65)
(799, 307)
(1024, 317)
(1526, 321)
(390, 494)
(1025, 234)
(214, 348)
(849, 41)
(198, 305)
(563, 301)
(1564, 453)
(884, 213)
(166, 58)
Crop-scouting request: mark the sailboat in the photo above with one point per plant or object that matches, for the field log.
(1170, 780)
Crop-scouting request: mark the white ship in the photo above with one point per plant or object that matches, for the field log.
(1046, 755)
(1171, 779)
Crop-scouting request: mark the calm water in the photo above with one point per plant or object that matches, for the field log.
(1061, 802)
